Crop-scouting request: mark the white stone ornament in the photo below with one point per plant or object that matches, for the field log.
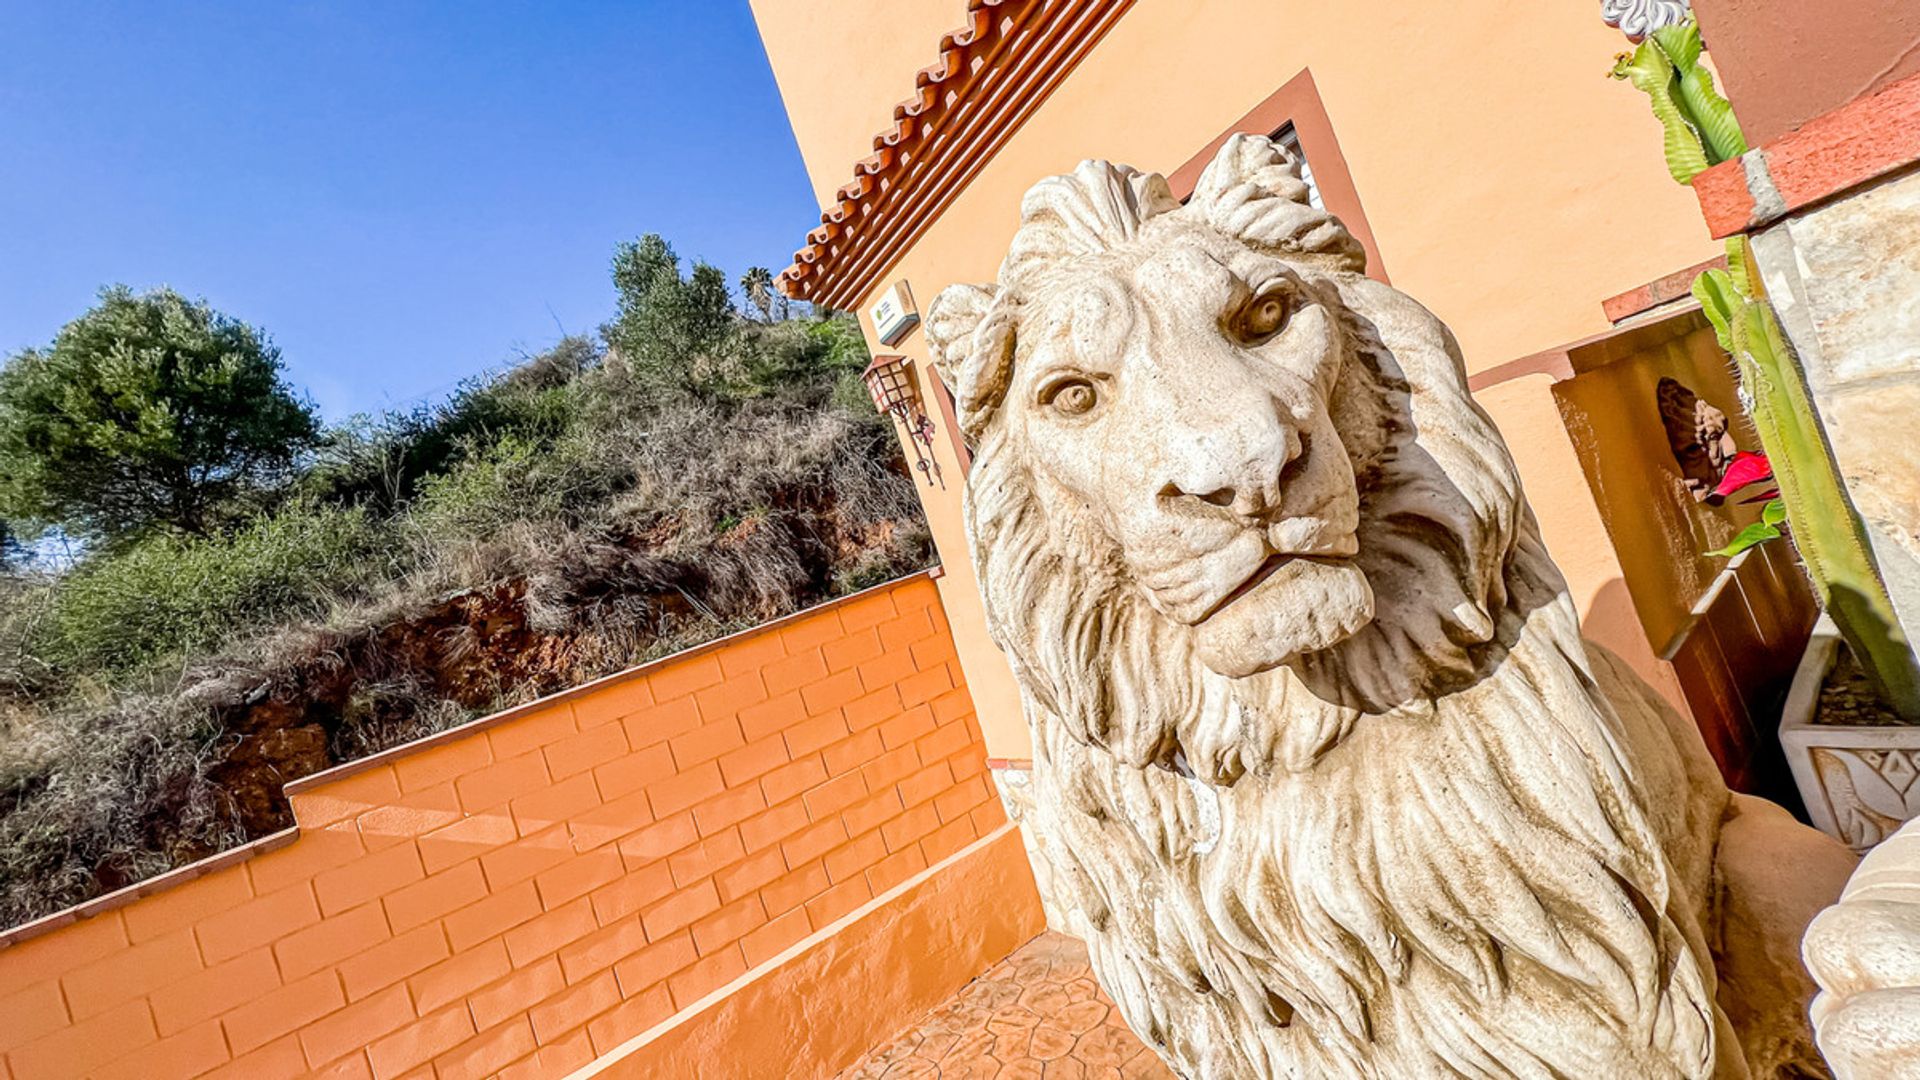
(1865, 952)
(1322, 769)
(1638, 18)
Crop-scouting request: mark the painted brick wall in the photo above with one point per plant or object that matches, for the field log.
(523, 894)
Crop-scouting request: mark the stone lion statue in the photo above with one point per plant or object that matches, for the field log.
(1321, 764)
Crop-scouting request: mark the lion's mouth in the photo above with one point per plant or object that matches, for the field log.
(1262, 574)
(1254, 580)
(1290, 605)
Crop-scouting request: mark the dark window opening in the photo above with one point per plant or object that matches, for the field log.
(1289, 140)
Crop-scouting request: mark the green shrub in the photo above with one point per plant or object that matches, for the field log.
(166, 596)
(380, 462)
(669, 328)
(512, 480)
(147, 412)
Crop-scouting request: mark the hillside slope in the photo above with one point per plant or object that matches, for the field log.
(579, 514)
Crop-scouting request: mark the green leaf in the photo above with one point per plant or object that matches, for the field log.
(1711, 116)
(1679, 43)
(1827, 533)
(1699, 127)
(1737, 268)
(1708, 113)
(1649, 70)
(1757, 533)
(1723, 305)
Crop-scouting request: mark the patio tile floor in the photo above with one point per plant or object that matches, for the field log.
(1037, 1015)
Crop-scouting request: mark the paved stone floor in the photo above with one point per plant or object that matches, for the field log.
(1037, 1014)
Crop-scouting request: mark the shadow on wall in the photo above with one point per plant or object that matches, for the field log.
(1734, 719)
(1612, 621)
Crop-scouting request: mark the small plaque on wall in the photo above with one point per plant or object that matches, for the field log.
(894, 314)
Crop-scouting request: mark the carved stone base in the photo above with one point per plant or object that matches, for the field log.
(1860, 783)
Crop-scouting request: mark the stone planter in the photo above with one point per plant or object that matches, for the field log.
(1859, 782)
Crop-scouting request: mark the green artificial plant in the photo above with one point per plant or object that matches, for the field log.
(1772, 516)
(1829, 536)
(1701, 131)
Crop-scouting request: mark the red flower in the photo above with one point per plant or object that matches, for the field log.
(1746, 468)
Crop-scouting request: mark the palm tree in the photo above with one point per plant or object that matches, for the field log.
(757, 283)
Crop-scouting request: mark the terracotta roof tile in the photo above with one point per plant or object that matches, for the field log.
(990, 75)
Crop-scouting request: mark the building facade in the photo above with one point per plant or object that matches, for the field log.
(1490, 169)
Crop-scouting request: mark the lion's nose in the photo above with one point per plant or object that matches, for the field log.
(1246, 480)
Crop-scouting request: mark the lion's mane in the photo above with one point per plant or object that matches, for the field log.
(1416, 853)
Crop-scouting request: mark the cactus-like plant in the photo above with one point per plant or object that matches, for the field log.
(1701, 131)
(1700, 127)
(1827, 532)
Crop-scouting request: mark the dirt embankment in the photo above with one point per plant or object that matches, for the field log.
(344, 694)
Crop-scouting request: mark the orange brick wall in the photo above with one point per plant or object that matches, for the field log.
(525, 893)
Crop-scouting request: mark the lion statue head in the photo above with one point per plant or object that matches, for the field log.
(1320, 762)
(1228, 443)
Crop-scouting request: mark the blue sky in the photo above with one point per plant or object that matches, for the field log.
(401, 194)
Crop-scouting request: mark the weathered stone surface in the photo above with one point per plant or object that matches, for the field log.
(1322, 768)
(1865, 953)
(1015, 788)
(1871, 428)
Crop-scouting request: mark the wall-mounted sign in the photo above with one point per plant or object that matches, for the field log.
(894, 314)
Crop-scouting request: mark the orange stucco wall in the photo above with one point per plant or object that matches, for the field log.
(820, 1005)
(1510, 185)
(531, 893)
(845, 65)
(1784, 62)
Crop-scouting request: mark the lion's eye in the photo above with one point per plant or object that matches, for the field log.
(1262, 317)
(1070, 397)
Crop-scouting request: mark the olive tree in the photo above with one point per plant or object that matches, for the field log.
(670, 329)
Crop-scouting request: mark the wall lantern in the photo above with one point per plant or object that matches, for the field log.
(890, 380)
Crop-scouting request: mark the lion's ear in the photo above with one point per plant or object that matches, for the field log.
(951, 320)
(971, 341)
(1257, 162)
(1252, 190)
